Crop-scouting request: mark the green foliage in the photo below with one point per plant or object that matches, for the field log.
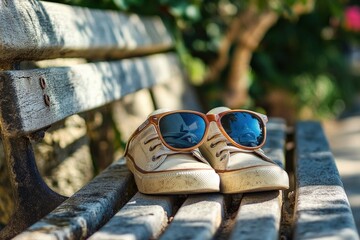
(306, 55)
(309, 58)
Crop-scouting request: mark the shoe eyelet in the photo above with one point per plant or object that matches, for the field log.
(151, 149)
(217, 155)
(212, 145)
(153, 158)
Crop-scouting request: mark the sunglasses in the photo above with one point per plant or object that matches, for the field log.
(184, 130)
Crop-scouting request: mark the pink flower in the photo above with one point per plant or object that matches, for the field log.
(352, 18)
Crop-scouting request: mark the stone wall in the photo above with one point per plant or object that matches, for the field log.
(63, 159)
(75, 150)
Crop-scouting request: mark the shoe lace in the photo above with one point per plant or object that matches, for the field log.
(162, 150)
(231, 149)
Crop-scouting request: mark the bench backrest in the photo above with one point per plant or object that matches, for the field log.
(32, 30)
(104, 55)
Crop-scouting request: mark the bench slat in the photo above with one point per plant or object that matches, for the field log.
(34, 30)
(198, 218)
(78, 217)
(260, 213)
(321, 206)
(76, 89)
(275, 141)
(143, 217)
(259, 216)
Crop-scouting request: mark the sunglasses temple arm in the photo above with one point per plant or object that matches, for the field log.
(264, 117)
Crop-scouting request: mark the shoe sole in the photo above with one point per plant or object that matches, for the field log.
(176, 182)
(254, 179)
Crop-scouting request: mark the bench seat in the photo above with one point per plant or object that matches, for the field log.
(199, 216)
(123, 54)
(318, 203)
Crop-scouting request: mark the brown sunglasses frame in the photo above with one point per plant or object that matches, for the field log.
(217, 118)
(155, 119)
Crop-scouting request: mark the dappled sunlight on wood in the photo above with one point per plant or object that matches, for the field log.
(344, 139)
(52, 30)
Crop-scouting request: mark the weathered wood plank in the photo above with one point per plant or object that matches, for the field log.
(259, 214)
(33, 30)
(143, 217)
(275, 141)
(75, 89)
(88, 209)
(321, 206)
(198, 218)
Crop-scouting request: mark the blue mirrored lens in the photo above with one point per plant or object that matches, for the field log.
(244, 128)
(182, 130)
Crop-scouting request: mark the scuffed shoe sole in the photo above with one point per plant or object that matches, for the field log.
(254, 179)
(176, 182)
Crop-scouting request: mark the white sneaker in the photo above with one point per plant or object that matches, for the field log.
(241, 170)
(159, 170)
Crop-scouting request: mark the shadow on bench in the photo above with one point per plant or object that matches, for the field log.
(141, 56)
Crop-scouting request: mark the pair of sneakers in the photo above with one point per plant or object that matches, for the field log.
(217, 165)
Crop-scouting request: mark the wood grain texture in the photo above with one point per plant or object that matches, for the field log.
(198, 218)
(258, 216)
(76, 89)
(259, 213)
(34, 30)
(88, 209)
(321, 206)
(275, 140)
(143, 217)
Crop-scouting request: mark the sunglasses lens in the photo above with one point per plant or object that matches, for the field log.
(182, 130)
(244, 128)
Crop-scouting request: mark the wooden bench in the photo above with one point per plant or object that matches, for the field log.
(126, 53)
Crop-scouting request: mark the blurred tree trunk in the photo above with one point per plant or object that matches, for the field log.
(252, 30)
(244, 35)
